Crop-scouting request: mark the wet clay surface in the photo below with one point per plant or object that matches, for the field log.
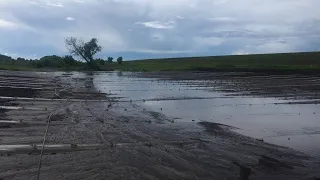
(97, 137)
(255, 103)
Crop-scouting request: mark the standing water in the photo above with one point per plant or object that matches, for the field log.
(275, 117)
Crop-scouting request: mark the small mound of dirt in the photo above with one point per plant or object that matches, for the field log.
(57, 117)
(18, 92)
(272, 163)
(213, 127)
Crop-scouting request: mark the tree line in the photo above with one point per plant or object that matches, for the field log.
(76, 47)
(55, 61)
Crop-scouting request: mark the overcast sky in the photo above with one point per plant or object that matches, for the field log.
(138, 29)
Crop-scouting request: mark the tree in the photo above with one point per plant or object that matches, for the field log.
(21, 59)
(51, 62)
(100, 61)
(120, 60)
(85, 50)
(4, 58)
(110, 59)
(68, 60)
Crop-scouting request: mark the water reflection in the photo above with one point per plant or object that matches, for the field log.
(256, 117)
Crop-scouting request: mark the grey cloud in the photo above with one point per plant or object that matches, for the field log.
(152, 28)
(158, 25)
(7, 24)
(33, 2)
(55, 4)
(78, 1)
(70, 19)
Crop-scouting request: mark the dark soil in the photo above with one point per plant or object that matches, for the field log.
(17, 92)
(135, 144)
(290, 85)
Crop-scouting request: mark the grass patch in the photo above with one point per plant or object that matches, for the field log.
(283, 61)
(10, 67)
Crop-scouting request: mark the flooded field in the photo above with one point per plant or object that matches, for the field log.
(93, 125)
(280, 109)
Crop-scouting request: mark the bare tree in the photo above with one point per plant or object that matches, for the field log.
(85, 50)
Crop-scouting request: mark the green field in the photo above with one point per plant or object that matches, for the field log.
(285, 61)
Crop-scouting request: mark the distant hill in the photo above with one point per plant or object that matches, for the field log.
(280, 61)
(301, 61)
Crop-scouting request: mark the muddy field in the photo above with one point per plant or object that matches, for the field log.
(96, 132)
(282, 109)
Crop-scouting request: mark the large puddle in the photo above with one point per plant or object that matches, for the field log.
(275, 121)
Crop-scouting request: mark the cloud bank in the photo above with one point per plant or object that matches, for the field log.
(138, 29)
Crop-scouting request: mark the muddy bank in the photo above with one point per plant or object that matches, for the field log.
(130, 142)
(261, 71)
(281, 109)
(291, 85)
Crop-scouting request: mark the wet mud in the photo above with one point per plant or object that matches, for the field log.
(292, 86)
(94, 138)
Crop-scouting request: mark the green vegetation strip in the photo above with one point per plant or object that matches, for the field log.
(309, 61)
(287, 61)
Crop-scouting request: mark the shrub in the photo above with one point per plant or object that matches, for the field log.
(120, 60)
(110, 59)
